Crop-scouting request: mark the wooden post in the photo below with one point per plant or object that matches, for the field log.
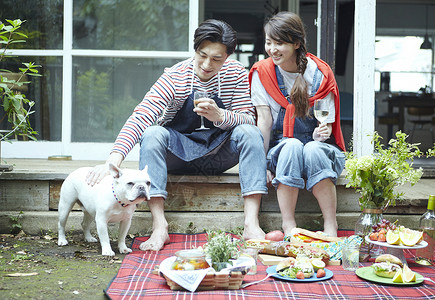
(364, 72)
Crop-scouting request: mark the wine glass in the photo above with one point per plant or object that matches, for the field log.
(321, 110)
(197, 99)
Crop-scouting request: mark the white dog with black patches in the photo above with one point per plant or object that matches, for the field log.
(112, 200)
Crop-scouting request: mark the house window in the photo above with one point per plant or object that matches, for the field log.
(99, 58)
(409, 67)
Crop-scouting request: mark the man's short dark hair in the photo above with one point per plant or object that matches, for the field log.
(216, 31)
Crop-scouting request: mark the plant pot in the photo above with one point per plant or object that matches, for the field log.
(218, 266)
(367, 218)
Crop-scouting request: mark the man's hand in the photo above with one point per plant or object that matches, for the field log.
(100, 171)
(209, 109)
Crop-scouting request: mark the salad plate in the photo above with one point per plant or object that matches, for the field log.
(272, 271)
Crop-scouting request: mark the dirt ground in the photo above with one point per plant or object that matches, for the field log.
(35, 267)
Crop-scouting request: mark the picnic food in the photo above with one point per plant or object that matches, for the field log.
(189, 260)
(410, 237)
(275, 235)
(299, 268)
(385, 231)
(408, 275)
(387, 265)
(389, 258)
(321, 273)
(289, 249)
(317, 264)
(405, 275)
(306, 236)
(285, 263)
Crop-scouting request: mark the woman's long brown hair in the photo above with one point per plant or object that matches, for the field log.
(288, 27)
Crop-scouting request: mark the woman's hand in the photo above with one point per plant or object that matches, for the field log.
(323, 132)
(270, 177)
(209, 109)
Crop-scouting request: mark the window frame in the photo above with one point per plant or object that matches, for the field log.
(78, 150)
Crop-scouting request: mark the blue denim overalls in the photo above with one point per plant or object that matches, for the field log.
(299, 159)
(304, 127)
(189, 144)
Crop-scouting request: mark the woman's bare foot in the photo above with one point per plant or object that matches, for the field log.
(156, 241)
(253, 232)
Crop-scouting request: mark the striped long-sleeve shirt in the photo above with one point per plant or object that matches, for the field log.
(168, 94)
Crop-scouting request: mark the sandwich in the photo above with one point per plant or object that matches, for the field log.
(306, 236)
(285, 264)
(387, 265)
(288, 249)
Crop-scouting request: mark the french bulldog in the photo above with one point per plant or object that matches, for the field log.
(112, 200)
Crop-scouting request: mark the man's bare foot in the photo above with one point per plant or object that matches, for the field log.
(253, 232)
(156, 241)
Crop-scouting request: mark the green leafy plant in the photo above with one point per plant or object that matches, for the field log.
(16, 222)
(221, 247)
(376, 176)
(15, 104)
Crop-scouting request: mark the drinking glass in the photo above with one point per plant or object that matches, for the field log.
(196, 99)
(321, 110)
(251, 253)
(350, 257)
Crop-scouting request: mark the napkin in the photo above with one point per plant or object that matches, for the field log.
(189, 280)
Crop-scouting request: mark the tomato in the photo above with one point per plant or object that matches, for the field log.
(382, 237)
(275, 236)
(300, 275)
(373, 236)
(320, 273)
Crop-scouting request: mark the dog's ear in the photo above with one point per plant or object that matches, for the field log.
(114, 171)
(145, 169)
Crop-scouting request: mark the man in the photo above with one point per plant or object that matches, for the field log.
(166, 122)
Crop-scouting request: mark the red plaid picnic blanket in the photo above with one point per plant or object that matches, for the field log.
(135, 280)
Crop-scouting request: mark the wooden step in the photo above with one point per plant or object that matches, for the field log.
(33, 188)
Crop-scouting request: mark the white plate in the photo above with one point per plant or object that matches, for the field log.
(422, 244)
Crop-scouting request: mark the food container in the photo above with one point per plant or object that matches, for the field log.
(189, 260)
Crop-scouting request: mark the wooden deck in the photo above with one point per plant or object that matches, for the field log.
(198, 202)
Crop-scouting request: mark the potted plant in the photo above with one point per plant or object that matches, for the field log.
(377, 176)
(221, 248)
(17, 108)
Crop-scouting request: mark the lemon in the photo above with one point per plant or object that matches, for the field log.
(393, 237)
(410, 237)
(398, 276)
(408, 275)
(317, 264)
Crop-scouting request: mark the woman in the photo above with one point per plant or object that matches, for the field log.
(300, 152)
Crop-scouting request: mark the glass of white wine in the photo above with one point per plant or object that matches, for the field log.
(321, 110)
(197, 99)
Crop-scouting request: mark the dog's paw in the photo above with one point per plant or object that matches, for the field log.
(62, 242)
(91, 239)
(124, 250)
(108, 252)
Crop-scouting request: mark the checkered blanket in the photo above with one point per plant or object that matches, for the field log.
(135, 280)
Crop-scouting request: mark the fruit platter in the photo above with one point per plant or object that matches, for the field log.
(395, 238)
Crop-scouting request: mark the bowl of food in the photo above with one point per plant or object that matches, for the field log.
(190, 260)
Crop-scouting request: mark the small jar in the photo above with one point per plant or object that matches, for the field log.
(190, 260)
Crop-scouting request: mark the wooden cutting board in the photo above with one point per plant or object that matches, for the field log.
(271, 260)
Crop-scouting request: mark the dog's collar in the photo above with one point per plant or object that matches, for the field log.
(116, 198)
